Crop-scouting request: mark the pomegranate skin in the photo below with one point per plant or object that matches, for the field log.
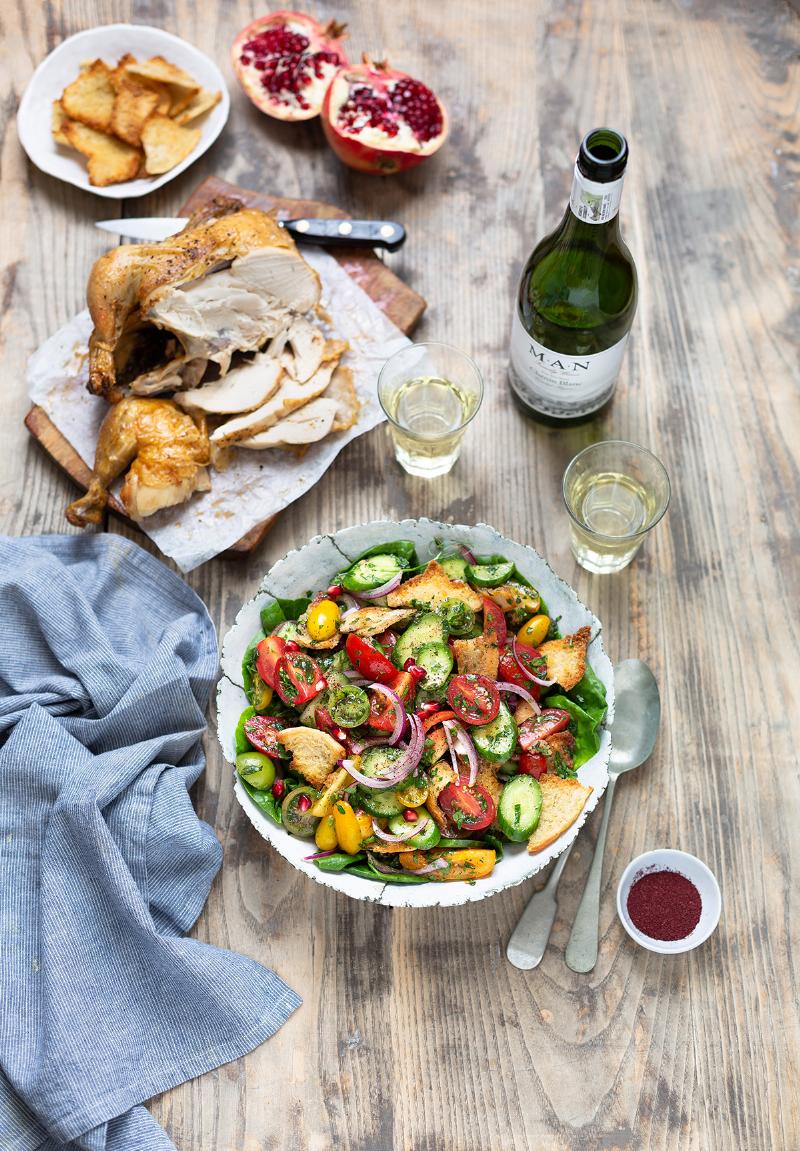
(379, 158)
(327, 39)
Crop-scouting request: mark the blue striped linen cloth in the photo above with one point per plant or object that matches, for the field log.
(106, 664)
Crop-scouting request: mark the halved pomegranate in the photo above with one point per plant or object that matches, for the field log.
(380, 120)
(285, 62)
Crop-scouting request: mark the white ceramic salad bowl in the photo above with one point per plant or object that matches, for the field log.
(315, 565)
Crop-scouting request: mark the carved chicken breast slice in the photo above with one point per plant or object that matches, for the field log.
(242, 390)
(289, 396)
(343, 390)
(307, 425)
(170, 377)
(307, 345)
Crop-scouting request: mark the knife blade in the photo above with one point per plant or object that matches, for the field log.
(332, 233)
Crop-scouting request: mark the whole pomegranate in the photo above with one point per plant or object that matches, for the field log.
(380, 120)
(285, 62)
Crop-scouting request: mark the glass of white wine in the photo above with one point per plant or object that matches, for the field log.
(429, 392)
(615, 493)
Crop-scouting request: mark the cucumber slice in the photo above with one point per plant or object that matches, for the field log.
(437, 661)
(497, 740)
(455, 567)
(379, 761)
(383, 804)
(372, 572)
(520, 807)
(426, 629)
(490, 575)
(428, 837)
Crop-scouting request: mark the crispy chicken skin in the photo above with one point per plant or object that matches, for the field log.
(166, 451)
(132, 286)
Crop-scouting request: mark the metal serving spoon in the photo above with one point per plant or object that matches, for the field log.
(637, 712)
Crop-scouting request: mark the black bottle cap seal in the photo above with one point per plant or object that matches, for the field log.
(603, 155)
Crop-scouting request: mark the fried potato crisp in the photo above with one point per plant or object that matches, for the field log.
(110, 161)
(90, 98)
(166, 143)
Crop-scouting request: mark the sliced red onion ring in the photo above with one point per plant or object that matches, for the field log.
(523, 692)
(350, 603)
(400, 716)
(402, 768)
(350, 611)
(408, 833)
(525, 671)
(434, 865)
(378, 741)
(356, 677)
(384, 589)
(321, 854)
(378, 863)
(467, 554)
(459, 742)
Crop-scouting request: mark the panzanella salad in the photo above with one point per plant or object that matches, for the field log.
(413, 717)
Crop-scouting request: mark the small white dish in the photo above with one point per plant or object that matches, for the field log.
(109, 43)
(668, 859)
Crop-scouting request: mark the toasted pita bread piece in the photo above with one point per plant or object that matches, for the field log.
(566, 658)
(314, 753)
(515, 598)
(562, 802)
(133, 107)
(58, 120)
(373, 620)
(166, 144)
(89, 99)
(433, 586)
(477, 656)
(203, 102)
(157, 71)
(110, 161)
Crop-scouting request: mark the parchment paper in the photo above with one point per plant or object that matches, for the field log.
(256, 485)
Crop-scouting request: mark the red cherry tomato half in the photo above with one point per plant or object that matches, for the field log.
(510, 670)
(298, 678)
(467, 808)
(538, 727)
(532, 763)
(268, 652)
(262, 733)
(494, 622)
(323, 721)
(381, 709)
(474, 698)
(388, 640)
(372, 663)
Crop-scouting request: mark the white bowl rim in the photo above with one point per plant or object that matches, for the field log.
(670, 859)
(123, 190)
(444, 894)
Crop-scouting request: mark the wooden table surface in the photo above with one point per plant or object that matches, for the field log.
(415, 1032)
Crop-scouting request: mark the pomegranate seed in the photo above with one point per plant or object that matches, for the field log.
(303, 803)
(406, 101)
(417, 673)
(286, 64)
(278, 789)
(335, 589)
(410, 815)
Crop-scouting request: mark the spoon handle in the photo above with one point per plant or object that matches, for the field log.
(581, 953)
(528, 942)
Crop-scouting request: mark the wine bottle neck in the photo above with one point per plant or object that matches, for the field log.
(592, 202)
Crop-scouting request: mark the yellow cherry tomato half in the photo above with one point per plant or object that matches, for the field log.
(534, 631)
(323, 619)
(325, 835)
(348, 832)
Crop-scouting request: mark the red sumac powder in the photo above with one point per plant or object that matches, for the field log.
(664, 905)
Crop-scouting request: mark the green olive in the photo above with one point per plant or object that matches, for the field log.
(296, 813)
(256, 769)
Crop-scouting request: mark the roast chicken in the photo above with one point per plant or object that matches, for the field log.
(166, 451)
(230, 281)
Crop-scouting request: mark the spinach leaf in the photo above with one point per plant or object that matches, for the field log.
(591, 695)
(240, 741)
(338, 862)
(293, 608)
(249, 663)
(583, 727)
(271, 616)
(265, 801)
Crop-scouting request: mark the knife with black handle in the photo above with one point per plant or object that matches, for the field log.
(386, 234)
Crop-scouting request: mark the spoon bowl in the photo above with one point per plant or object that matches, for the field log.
(637, 716)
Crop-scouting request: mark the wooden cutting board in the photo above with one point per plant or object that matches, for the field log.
(400, 303)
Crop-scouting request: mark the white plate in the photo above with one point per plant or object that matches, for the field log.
(109, 43)
(314, 566)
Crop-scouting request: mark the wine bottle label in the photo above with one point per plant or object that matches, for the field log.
(592, 202)
(571, 381)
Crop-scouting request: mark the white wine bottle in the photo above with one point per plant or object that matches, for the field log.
(577, 296)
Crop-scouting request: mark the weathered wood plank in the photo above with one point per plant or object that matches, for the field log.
(415, 1033)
